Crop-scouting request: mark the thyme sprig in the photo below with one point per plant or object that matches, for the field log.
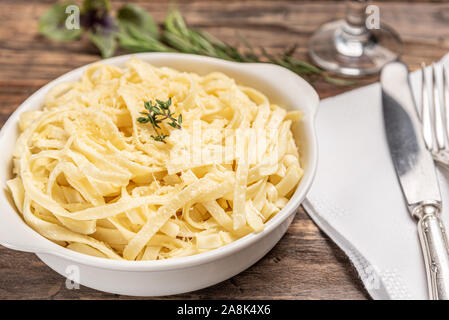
(158, 112)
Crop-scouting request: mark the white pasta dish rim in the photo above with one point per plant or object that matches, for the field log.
(200, 258)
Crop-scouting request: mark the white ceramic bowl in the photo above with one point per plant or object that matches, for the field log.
(177, 275)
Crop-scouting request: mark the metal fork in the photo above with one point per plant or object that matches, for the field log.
(435, 114)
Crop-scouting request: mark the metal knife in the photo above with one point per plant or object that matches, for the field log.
(416, 173)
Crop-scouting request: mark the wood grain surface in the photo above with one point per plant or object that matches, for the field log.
(305, 264)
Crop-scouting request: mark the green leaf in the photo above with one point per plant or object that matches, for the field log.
(203, 43)
(134, 16)
(132, 44)
(340, 81)
(302, 64)
(52, 23)
(155, 110)
(163, 104)
(178, 35)
(174, 23)
(143, 119)
(137, 31)
(104, 40)
(180, 43)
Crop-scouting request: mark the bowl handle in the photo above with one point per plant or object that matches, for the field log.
(16, 234)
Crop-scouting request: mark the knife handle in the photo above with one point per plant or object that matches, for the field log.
(432, 235)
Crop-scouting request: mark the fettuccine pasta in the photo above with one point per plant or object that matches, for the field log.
(91, 178)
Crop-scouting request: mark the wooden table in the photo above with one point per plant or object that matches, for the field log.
(305, 264)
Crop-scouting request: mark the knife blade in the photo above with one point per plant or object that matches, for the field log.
(416, 173)
(413, 162)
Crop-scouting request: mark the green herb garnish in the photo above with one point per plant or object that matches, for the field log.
(158, 112)
(133, 29)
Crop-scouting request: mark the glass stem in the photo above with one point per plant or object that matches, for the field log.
(355, 19)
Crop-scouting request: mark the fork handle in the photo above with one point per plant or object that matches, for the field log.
(432, 235)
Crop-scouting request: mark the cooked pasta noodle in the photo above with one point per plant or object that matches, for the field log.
(89, 177)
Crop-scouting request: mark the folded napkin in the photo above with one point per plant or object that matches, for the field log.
(356, 198)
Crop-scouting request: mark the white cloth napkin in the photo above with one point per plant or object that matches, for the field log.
(356, 198)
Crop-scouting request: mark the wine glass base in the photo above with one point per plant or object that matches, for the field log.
(354, 56)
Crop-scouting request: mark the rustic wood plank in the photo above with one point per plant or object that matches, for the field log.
(305, 264)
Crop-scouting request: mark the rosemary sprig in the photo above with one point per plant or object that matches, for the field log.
(158, 112)
(179, 36)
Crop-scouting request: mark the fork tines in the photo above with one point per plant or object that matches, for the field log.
(434, 108)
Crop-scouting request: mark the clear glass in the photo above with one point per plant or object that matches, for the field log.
(348, 48)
